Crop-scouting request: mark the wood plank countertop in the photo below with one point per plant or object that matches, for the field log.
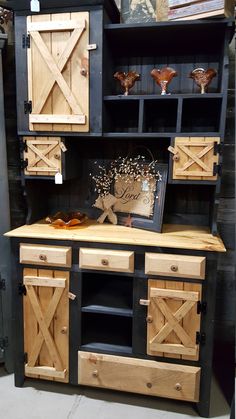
(173, 236)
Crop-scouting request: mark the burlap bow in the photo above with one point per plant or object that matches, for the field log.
(105, 205)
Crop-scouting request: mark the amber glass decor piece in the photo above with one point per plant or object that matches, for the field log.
(64, 220)
(203, 77)
(127, 80)
(163, 77)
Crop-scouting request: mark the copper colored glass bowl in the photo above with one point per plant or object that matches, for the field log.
(70, 219)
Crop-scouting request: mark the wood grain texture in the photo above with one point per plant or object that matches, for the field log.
(45, 255)
(106, 260)
(174, 236)
(47, 344)
(175, 265)
(139, 376)
(60, 95)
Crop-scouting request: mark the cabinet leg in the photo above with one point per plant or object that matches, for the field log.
(203, 408)
(19, 380)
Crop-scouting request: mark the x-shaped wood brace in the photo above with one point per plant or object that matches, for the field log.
(44, 322)
(56, 69)
(195, 158)
(173, 322)
(42, 155)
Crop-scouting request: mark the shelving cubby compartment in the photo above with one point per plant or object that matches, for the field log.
(107, 312)
(180, 45)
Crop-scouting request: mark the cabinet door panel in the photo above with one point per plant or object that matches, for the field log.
(46, 324)
(58, 72)
(173, 320)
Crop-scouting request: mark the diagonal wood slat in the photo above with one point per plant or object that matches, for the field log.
(42, 155)
(56, 73)
(180, 332)
(199, 155)
(167, 328)
(194, 157)
(44, 334)
(50, 81)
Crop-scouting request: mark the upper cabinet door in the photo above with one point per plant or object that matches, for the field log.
(58, 72)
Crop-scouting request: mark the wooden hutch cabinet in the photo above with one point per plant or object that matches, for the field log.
(105, 305)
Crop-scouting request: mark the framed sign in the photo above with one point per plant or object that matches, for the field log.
(140, 203)
(131, 192)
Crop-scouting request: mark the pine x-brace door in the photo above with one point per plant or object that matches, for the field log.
(46, 324)
(58, 72)
(195, 158)
(173, 320)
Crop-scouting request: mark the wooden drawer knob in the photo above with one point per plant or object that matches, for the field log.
(176, 157)
(178, 387)
(149, 319)
(104, 262)
(83, 72)
(64, 330)
(95, 373)
(43, 258)
(174, 268)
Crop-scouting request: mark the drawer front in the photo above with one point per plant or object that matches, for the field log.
(106, 260)
(139, 376)
(175, 265)
(45, 255)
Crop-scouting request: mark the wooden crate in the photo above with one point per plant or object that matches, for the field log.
(193, 9)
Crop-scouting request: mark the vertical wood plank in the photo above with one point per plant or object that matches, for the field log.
(192, 320)
(40, 72)
(158, 318)
(30, 322)
(61, 325)
(182, 157)
(80, 60)
(45, 294)
(59, 41)
(173, 305)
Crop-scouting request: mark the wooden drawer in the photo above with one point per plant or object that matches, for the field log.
(35, 254)
(139, 376)
(175, 265)
(106, 260)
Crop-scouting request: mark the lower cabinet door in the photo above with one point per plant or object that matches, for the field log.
(173, 319)
(46, 324)
(139, 376)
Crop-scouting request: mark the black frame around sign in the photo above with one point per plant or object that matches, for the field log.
(155, 222)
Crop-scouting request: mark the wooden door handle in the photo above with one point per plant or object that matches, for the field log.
(149, 319)
(144, 302)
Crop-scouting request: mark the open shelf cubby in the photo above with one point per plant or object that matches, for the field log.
(107, 293)
(201, 114)
(99, 331)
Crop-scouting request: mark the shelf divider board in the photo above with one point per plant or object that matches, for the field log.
(124, 312)
(141, 116)
(179, 114)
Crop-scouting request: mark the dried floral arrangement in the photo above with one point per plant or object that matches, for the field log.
(128, 170)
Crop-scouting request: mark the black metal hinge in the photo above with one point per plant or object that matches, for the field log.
(218, 148)
(25, 358)
(4, 342)
(201, 307)
(2, 284)
(22, 289)
(27, 106)
(26, 41)
(217, 169)
(200, 338)
(23, 145)
(24, 163)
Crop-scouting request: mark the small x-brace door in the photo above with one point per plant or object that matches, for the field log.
(172, 319)
(194, 158)
(58, 71)
(46, 324)
(43, 156)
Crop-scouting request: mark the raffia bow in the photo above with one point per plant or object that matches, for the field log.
(105, 204)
